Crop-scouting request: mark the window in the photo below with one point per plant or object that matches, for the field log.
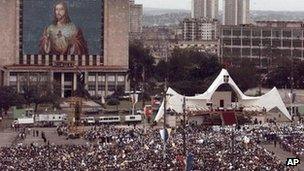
(246, 42)
(266, 33)
(246, 32)
(237, 32)
(256, 33)
(226, 32)
(276, 33)
(286, 33)
(286, 43)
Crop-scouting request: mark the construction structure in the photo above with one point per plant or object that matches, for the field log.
(263, 41)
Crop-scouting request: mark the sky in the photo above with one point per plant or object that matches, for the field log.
(273, 5)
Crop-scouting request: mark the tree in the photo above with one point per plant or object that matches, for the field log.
(8, 98)
(81, 91)
(188, 70)
(41, 92)
(246, 75)
(141, 64)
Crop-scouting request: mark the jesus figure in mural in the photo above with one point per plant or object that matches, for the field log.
(62, 37)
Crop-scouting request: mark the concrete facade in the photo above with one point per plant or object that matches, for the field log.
(264, 40)
(136, 18)
(116, 34)
(202, 29)
(8, 32)
(205, 8)
(236, 12)
(112, 63)
(210, 47)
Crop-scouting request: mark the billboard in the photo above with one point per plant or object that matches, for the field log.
(64, 27)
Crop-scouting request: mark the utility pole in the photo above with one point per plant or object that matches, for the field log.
(184, 127)
(165, 112)
(165, 124)
(143, 100)
(260, 73)
(292, 81)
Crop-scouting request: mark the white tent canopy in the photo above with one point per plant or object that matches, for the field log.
(266, 102)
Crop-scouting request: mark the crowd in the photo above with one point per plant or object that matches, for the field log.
(113, 148)
(292, 139)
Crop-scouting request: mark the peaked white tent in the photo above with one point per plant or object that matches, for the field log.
(266, 102)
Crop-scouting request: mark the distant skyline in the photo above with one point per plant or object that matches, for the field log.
(264, 5)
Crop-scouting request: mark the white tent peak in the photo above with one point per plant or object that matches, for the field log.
(266, 102)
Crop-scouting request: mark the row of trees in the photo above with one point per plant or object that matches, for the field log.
(32, 93)
(190, 71)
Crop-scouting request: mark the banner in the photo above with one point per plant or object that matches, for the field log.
(134, 98)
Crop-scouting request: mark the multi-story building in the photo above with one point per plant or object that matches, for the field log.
(210, 47)
(204, 9)
(99, 51)
(136, 20)
(159, 40)
(264, 40)
(199, 29)
(236, 12)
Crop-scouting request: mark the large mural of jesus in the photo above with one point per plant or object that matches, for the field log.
(67, 27)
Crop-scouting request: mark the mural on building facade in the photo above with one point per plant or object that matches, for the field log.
(65, 27)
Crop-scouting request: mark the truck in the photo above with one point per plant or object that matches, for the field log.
(24, 122)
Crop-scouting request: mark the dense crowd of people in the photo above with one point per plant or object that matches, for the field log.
(292, 140)
(110, 148)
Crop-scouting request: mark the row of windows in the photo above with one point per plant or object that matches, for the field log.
(263, 42)
(262, 52)
(35, 60)
(297, 33)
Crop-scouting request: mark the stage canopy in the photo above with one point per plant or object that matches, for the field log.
(269, 101)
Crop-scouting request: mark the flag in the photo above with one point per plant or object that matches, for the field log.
(134, 98)
(164, 134)
(189, 162)
(143, 74)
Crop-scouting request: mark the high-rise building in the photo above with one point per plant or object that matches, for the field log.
(199, 29)
(89, 48)
(136, 19)
(205, 9)
(236, 12)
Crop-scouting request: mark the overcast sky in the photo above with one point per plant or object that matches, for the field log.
(274, 5)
